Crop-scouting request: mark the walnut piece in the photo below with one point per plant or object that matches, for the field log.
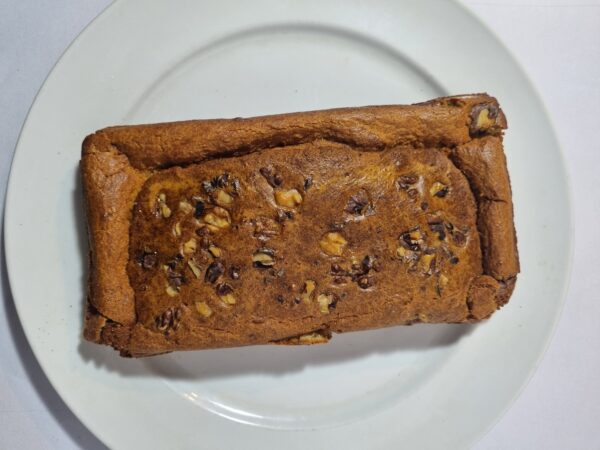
(333, 243)
(223, 198)
(215, 251)
(194, 268)
(312, 338)
(412, 240)
(190, 246)
(325, 302)
(483, 119)
(172, 291)
(177, 230)
(427, 263)
(309, 287)
(443, 280)
(218, 219)
(225, 293)
(185, 207)
(439, 190)
(289, 198)
(204, 309)
(165, 211)
(263, 258)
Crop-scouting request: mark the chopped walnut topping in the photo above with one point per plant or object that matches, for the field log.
(483, 119)
(263, 258)
(407, 256)
(439, 190)
(223, 198)
(312, 338)
(172, 291)
(195, 268)
(443, 280)
(215, 251)
(412, 240)
(326, 302)
(204, 309)
(427, 263)
(289, 198)
(177, 230)
(225, 293)
(190, 246)
(185, 207)
(309, 287)
(165, 211)
(219, 218)
(333, 243)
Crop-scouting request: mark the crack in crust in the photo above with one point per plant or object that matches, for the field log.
(117, 161)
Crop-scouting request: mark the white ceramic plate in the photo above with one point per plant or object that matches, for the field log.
(412, 387)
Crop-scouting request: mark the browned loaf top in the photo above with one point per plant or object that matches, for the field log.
(285, 228)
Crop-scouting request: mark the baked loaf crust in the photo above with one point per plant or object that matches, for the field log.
(286, 228)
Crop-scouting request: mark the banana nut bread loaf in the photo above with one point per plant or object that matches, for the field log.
(286, 228)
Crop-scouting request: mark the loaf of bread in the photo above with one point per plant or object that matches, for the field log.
(287, 228)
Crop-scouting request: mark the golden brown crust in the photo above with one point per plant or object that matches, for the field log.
(441, 122)
(122, 165)
(484, 164)
(110, 185)
(482, 297)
